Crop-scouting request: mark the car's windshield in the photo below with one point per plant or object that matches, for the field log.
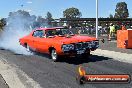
(62, 32)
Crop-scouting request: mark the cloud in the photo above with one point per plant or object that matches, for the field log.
(29, 2)
(29, 10)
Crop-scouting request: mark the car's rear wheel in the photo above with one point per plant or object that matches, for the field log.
(28, 49)
(54, 55)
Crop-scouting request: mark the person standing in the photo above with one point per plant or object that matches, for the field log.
(112, 31)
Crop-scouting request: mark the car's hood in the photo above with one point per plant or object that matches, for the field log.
(73, 39)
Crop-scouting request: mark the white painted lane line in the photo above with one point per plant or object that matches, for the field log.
(123, 57)
(10, 75)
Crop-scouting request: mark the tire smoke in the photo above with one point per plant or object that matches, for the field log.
(17, 26)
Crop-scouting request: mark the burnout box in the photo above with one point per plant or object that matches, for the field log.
(124, 38)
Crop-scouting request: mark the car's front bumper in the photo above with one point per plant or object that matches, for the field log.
(81, 49)
(78, 52)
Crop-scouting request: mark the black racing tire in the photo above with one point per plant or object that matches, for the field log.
(28, 49)
(54, 55)
(86, 55)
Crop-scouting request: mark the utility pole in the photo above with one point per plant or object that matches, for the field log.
(96, 18)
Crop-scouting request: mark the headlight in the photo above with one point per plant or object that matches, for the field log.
(97, 43)
(67, 47)
(93, 42)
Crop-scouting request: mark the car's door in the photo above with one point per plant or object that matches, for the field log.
(40, 42)
(35, 39)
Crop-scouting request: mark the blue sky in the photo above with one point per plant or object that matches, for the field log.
(56, 7)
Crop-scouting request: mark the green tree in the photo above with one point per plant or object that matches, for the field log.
(2, 23)
(111, 16)
(121, 10)
(27, 20)
(19, 13)
(49, 18)
(72, 13)
(41, 22)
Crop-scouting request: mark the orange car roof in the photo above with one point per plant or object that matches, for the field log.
(50, 28)
(45, 28)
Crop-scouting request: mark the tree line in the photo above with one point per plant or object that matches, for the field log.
(121, 11)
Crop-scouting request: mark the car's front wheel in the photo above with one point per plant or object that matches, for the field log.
(54, 55)
(86, 55)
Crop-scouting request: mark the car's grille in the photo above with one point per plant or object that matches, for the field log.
(85, 45)
(80, 46)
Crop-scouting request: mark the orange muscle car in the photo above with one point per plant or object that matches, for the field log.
(59, 42)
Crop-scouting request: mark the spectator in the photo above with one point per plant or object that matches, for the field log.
(79, 31)
(123, 27)
(112, 31)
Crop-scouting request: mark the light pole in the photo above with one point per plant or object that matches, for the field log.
(96, 18)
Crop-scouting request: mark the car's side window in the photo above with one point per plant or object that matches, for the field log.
(38, 33)
(35, 34)
(41, 33)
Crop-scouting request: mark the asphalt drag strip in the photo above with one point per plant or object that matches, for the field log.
(12, 77)
(62, 74)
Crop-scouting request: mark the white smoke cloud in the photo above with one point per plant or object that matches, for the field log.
(14, 30)
(19, 24)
